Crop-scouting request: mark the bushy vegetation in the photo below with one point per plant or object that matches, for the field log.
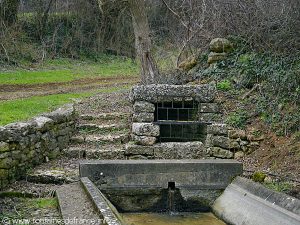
(274, 78)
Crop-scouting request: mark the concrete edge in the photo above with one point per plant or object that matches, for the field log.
(239, 205)
(274, 197)
(109, 213)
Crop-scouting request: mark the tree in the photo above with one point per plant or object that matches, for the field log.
(9, 11)
(149, 70)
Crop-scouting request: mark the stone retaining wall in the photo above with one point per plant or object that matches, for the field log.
(224, 141)
(26, 144)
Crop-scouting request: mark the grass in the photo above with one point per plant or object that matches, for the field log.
(22, 109)
(65, 70)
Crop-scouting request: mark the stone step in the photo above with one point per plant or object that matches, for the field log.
(103, 153)
(105, 116)
(74, 203)
(100, 139)
(58, 171)
(95, 128)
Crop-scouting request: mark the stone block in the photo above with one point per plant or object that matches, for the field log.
(209, 107)
(210, 117)
(217, 129)
(6, 163)
(42, 123)
(4, 147)
(158, 92)
(234, 134)
(132, 149)
(4, 134)
(63, 114)
(144, 140)
(143, 107)
(221, 153)
(143, 117)
(3, 173)
(145, 129)
(221, 141)
(182, 150)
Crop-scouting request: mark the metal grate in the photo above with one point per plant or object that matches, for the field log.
(178, 120)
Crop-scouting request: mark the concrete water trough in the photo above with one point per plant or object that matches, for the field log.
(120, 187)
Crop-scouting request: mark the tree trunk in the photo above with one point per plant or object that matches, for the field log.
(9, 11)
(149, 70)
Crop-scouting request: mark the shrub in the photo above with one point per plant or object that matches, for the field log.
(258, 176)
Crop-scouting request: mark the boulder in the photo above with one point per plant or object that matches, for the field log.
(220, 45)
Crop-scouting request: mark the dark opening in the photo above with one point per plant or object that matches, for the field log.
(180, 132)
(178, 120)
(177, 111)
(171, 185)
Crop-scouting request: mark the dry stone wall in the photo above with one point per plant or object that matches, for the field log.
(26, 144)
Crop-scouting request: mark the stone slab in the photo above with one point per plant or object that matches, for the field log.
(247, 202)
(187, 174)
(74, 203)
(158, 92)
(105, 209)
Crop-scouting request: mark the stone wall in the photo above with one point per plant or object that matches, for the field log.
(26, 144)
(221, 140)
(227, 142)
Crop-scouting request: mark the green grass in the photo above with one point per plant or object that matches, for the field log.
(42, 203)
(22, 109)
(65, 70)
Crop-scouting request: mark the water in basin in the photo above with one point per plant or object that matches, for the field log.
(176, 219)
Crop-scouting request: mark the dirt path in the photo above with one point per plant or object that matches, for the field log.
(11, 92)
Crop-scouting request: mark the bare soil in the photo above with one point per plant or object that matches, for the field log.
(11, 92)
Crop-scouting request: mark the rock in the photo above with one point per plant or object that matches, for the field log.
(209, 140)
(3, 173)
(137, 157)
(7, 163)
(63, 114)
(182, 150)
(234, 134)
(221, 141)
(133, 149)
(215, 57)
(163, 92)
(209, 108)
(4, 147)
(239, 155)
(145, 129)
(234, 145)
(251, 137)
(143, 117)
(221, 153)
(244, 143)
(210, 117)
(42, 123)
(143, 107)
(108, 154)
(4, 134)
(217, 129)
(144, 140)
(188, 64)
(220, 45)
(17, 130)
